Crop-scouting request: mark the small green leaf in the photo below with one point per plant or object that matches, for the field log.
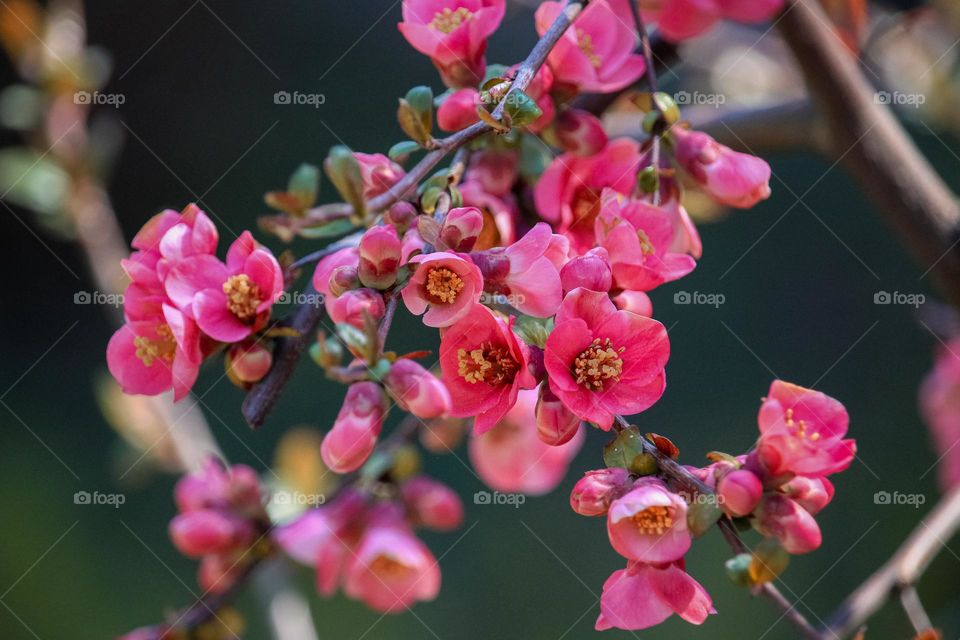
(702, 515)
(522, 108)
(344, 172)
(738, 569)
(328, 229)
(534, 158)
(402, 150)
(769, 561)
(304, 185)
(621, 451)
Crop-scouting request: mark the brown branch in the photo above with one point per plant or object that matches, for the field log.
(874, 147)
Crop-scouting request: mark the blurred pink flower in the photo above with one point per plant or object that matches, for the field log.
(432, 504)
(416, 390)
(378, 173)
(940, 407)
(784, 519)
(350, 441)
(594, 492)
(644, 595)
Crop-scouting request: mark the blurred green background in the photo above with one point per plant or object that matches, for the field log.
(199, 80)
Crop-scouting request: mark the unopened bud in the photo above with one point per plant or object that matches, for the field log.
(460, 229)
(556, 424)
(247, 363)
(379, 257)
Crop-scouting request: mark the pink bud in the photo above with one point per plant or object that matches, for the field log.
(379, 257)
(556, 425)
(458, 110)
(580, 132)
(740, 492)
(729, 177)
(594, 492)
(780, 517)
(197, 533)
(813, 494)
(249, 362)
(432, 503)
(343, 279)
(350, 307)
(590, 271)
(401, 216)
(217, 572)
(354, 434)
(634, 301)
(460, 229)
(416, 390)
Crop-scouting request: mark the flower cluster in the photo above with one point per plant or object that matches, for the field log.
(183, 303)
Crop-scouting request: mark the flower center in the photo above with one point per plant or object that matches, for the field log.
(653, 520)
(384, 566)
(586, 45)
(645, 245)
(598, 363)
(164, 347)
(448, 20)
(443, 285)
(243, 296)
(493, 365)
(799, 427)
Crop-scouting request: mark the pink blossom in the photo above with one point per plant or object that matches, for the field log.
(458, 110)
(198, 533)
(511, 458)
(484, 366)
(813, 494)
(214, 486)
(940, 408)
(495, 170)
(193, 234)
(649, 523)
(644, 595)
(432, 503)
(379, 254)
(597, 53)
(682, 19)
(412, 243)
(729, 177)
(500, 214)
(390, 568)
(801, 432)
(401, 216)
(634, 301)
(353, 306)
(461, 228)
(217, 573)
(454, 34)
(740, 492)
(602, 361)
(445, 285)
(638, 237)
(594, 492)
(568, 193)
(580, 132)
(780, 517)
(343, 258)
(590, 271)
(416, 390)
(523, 273)
(556, 425)
(378, 173)
(354, 434)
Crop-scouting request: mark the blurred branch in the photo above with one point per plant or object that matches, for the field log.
(873, 146)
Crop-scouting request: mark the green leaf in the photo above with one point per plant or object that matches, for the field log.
(344, 172)
(305, 184)
(701, 515)
(415, 114)
(769, 561)
(621, 451)
(328, 229)
(33, 181)
(534, 158)
(402, 150)
(522, 108)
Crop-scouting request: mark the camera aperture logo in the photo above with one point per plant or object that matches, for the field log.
(497, 498)
(699, 298)
(114, 100)
(98, 298)
(299, 99)
(114, 500)
(914, 300)
(898, 499)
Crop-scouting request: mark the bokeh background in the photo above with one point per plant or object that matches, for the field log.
(799, 280)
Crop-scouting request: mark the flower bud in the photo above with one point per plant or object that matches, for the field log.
(401, 216)
(197, 533)
(594, 492)
(460, 229)
(350, 307)
(780, 517)
(218, 572)
(458, 110)
(432, 504)
(580, 132)
(590, 271)
(813, 494)
(416, 390)
(354, 434)
(740, 492)
(247, 363)
(379, 257)
(556, 425)
(343, 279)
(729, 177)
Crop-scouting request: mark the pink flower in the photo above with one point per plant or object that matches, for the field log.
(813, 494)
(580, 132)
(729, 177)
(644, 595)
(343, 258)
(354, 434)
(198, 533)
(484, 366)
(500, 214)
(454, 34)
(458, 110)
(229, 301)
(193, 234)
(634, 301)
(379, 253)
(590, 271)
(523, 273)
(649, 523)
(594, 492)
(556, 425)
(494, 170)
(378, 173)
(638, 237)
(511, 458)
(602, 361)
(390, 568)
(432, 503)
(940, 408)
(352, 307)
(235, 489)
(445, 285)
(780, 517)
(461, 228)
(682, 19)
(596, 53)
(801, 432)
(740, 492)
(568, 193)
(416, 390)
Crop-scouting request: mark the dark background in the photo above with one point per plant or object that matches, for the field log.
(199, 81)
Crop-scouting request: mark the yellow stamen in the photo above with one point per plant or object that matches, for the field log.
(645, 245)
(448, 20)
(799, 427)
(586, 45)
(243, 296)
(443, 285)
(493, 365)
(598, 363)
(386, 566)
(164, 347)
(653, 520)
